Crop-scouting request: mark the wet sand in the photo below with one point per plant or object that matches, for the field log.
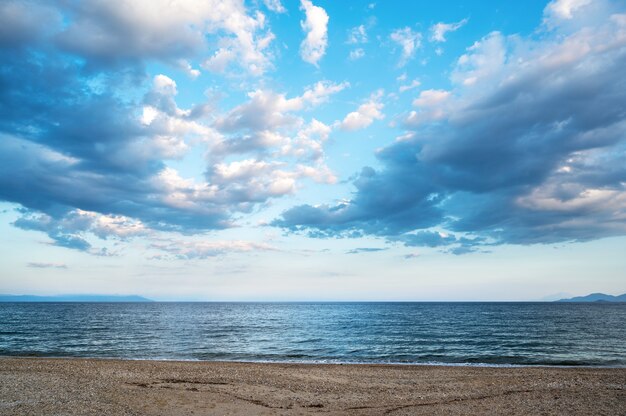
(36, 386)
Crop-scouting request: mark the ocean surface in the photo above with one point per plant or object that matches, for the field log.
(411, 333)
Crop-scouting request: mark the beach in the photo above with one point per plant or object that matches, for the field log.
(41, 386)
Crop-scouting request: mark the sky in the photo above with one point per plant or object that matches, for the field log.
(283, 150)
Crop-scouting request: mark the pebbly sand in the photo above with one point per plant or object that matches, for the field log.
(36, 386)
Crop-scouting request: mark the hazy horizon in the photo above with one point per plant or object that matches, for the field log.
(548, 298)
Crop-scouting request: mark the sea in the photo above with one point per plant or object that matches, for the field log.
(492, 334)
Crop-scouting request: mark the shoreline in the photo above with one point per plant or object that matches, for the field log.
(72, 386)
(320, 362)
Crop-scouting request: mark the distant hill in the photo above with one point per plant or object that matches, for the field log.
(596, 297)
(74, 298)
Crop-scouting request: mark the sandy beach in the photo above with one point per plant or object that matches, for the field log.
(35, 386)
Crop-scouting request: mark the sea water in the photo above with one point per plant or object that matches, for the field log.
(412, 333)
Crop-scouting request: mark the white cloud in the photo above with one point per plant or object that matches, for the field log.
(182, 249)
(483, 60)
(407, 87)
(111, 32)
(365, 114)
(357, 35)
(220, 60)
(274, 6)
(319, 173)
(409, 41)
(564, 9)
(268, 110)
(308, 142)
(186, 67)
(356, 54)
(321, 91)
(106, 225)
(438, 31)
(240, 170)
(431, 98)
(168, 125)
(164, 85)
(434, 105)
(313, 47)
(258, 180)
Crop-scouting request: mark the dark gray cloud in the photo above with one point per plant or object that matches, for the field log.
(26, 22)
(529, 147)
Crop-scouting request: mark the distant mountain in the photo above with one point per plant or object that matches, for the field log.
(596, 297)
(74, 298)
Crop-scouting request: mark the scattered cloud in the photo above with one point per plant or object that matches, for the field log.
(315, 25)
(357, 35)
(267, 110)
(275, 6)
(356, 54)
(188, 250)
(526, 144)
(365, 114)
(528, 147)
(439, 30)
(409, 41)
(483, 60)
(563, 9)
(186, 67)
(407, 87)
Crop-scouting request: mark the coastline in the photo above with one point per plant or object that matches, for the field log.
(41, 386)
(314, 362)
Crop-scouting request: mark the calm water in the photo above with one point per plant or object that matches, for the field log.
(453, 333)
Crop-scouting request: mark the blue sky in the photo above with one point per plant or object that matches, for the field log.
(313, 150)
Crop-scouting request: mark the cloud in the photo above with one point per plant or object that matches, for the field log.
(26, 23)
(483, 60)
(184, 65)
(38, 265)
(313, 47)
(438, 31)
(407, 87)
(188, 250)
(275, 6)
(90, 150)
(433, 105)
(69, 230)
(529, 147)
(87, 138)
(280, 147)
(409, 41)
(356, 54)
(360, 250)
(564, 9)
(365, 114)
(357, 35)
(111, 34)
(308, 142)
(267, 110)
